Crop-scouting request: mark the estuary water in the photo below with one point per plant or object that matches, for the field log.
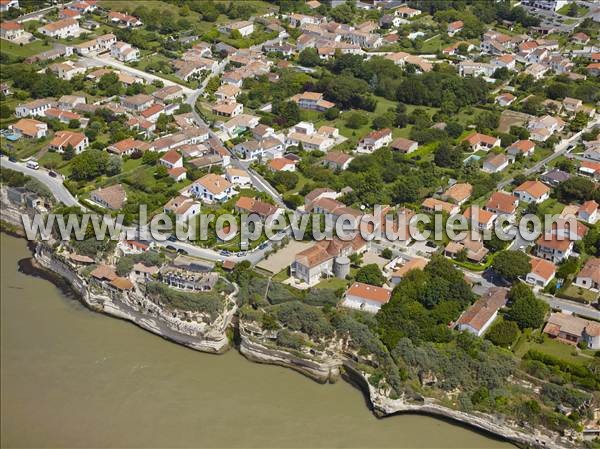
(71, 377)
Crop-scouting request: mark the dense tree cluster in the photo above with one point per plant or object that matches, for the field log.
(424, 303)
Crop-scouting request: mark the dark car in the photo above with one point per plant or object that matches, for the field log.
(12, 159)
(52, 174)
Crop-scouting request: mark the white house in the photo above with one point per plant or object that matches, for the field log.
(212, 188)
(61, 29)
(245, 27)
(63, 139)
(532, 191)
(5, 5)
(542, 272)
(479, 316)
(182, 207)
(238, 176)
(589, 276)
(35, 108)
(171, 159)
(374, 141)
(124, 52)
(368, 298)
(30, 128)
(554, 248)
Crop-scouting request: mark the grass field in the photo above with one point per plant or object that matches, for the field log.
(576, 293)
(23, 51)
(555, 348)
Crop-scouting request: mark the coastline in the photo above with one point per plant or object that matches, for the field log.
(322, 371)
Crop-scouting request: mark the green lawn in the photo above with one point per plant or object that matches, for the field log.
(578, 294)
(552, 347)
(550, 207)
(581, 10)
(23, 51)
(332, 283)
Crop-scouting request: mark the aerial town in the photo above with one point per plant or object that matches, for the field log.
(485, 110)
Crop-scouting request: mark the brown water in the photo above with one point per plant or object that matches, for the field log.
(74, 378)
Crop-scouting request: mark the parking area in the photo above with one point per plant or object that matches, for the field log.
(284, 257)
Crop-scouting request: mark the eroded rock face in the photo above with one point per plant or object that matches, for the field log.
(258, 346)
(322, 371)
(140, 310)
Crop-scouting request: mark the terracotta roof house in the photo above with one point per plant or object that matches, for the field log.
(126, 147)
(375, 140)
(30, 128)
(480, 219)
(475, 250)
(522, 147)
(590, 168)
(64, 139)
(121, 284)
(483, 142)
(112, 197)
(505, 99)
(532, 191)
(479, 317)
(588, 212)
(282, 164)
(254, 206)
(320, 259)
(571, 329)
(182, 207)
(336, 160)
(171, 159)
(542, 272)
(211, 188)
(458, 193)
(403, 145)
(495, 163)
(589, 276)
(554, 248)
(104, 273)
(581, 38)
(455, 27)
(432, 205)
(417, 263)
(368, 298)
(503, 203)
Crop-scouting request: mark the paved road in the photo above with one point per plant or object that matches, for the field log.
(55, 185)
(64, 196)
(108, 60)
(560, 149)
(571, 306)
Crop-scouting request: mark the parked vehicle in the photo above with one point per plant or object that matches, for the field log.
(33, 165)
(52, 174)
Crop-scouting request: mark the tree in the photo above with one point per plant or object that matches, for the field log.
(573, 10)
(309, 57)
(447, 155)
(454, 129)
(511, 265)
(370, 274)
(110, 84)
(355, 120)
(503, 333)
(526, 310)
(332, 113)
(382, 121)
(235, 34)
(74, 124)
(69, 152)
(575, 189)
(387, 253)
(89, 165)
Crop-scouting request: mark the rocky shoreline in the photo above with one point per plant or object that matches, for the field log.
(215, 340)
